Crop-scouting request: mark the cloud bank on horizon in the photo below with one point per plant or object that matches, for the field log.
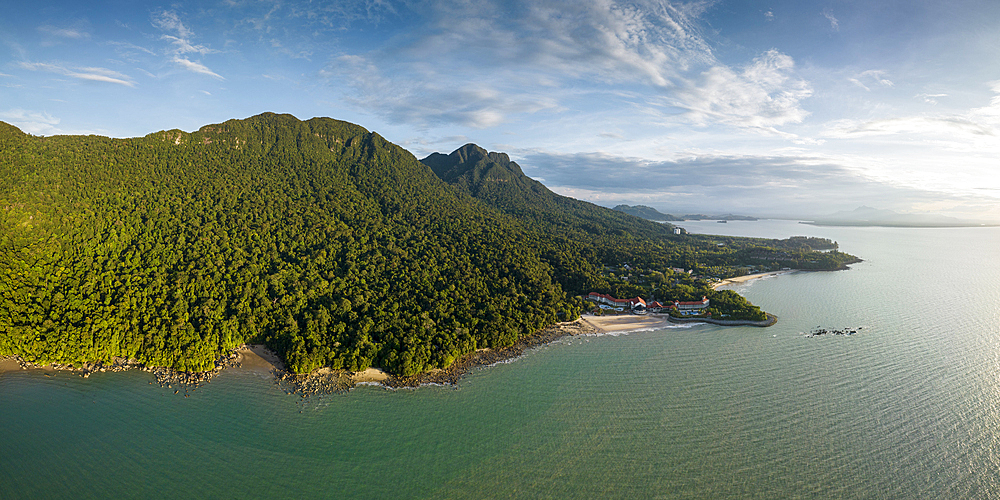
(795, 109)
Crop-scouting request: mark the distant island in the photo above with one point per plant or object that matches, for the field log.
(650, 213)
(324, 242)
(868, 216)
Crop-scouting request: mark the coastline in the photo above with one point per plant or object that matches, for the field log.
(770, 321)
(748, 277)
(9, 365)
(626, 322)
(257, 357)
(329, 381)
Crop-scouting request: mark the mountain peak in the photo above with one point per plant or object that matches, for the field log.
(470, 165)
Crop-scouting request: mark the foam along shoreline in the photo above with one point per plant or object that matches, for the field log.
(627, 322)
(748, 277)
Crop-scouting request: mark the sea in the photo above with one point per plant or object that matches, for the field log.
(907, 407)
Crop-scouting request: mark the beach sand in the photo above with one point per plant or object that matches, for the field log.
(748, 277)
(9, 365)
(369, 375)
(626, 322)
(258, 357)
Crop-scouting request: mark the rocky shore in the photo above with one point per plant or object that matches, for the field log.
(323, 380)
(165, 377)
(771, 320)
(327, 381)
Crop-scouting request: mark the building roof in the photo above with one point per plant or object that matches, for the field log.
(704, 300)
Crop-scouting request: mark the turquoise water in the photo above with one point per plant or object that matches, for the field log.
(908, 408)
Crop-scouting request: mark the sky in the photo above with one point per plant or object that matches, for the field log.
(789, 108)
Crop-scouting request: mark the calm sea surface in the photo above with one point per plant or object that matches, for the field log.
(907, 408)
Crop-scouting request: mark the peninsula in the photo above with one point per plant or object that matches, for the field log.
(323, 242)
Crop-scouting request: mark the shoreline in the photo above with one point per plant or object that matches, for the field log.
(626, 322)
(770, 321)
(329, 381)
(748, 277)
(325, 380)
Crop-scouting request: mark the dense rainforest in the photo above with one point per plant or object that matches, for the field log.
(318, 238)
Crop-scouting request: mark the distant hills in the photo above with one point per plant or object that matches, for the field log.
(499, 182)
(868, 216)
(650, 213)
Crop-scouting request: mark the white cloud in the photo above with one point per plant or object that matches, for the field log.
(32, 122)
(130, 47)
(644, 42)
(180, 38)
(74, 34)
(930, 98)
(765, 95)
(170, 21)
(910, 125)
(871, 78)
(195, 67)
(756, 185)
(769, 15)
(971, 128)
(91, 74)
(430, 101)
(834, 23)
(541, 54)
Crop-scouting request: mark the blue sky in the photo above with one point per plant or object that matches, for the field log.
(784, 108)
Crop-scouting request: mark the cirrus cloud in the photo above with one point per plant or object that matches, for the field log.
(180, 38)
(542, 54)
(87, 73)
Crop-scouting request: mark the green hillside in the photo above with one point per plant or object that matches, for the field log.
(587, 245)
(494, 179)
(318, 238)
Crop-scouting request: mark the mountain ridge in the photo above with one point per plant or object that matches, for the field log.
(318, 238)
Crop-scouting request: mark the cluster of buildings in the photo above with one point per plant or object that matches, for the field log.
(639, 305)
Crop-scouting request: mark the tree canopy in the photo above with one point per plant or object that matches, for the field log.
(318, 238)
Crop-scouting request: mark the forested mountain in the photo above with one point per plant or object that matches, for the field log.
(494, 179)
(581, 240)
(648, 213)
(319, 238)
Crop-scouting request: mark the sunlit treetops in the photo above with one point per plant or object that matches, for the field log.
(321, 239)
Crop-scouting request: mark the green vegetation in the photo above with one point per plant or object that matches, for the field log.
(592, 248)
(318, 238)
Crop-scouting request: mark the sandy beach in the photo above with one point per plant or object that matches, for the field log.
(748, 277)
(9, 365)
(626, 322)
(369, 375)
(258, 357)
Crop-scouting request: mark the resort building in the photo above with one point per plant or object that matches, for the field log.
(633, 303)
(637, 304)
(691, 306)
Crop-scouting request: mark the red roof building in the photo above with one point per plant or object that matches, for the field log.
(701, 304)
(601, 298)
